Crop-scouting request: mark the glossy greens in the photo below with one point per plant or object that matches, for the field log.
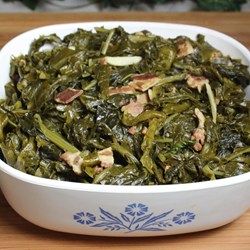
(110, 107)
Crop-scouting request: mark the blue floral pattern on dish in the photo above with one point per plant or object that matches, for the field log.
(84, 218)
(138, 209)
(135, 217)
(184, 218)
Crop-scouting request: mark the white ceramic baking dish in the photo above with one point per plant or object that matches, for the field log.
(124, 210)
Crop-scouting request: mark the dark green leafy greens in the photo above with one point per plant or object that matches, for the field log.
(110, 107)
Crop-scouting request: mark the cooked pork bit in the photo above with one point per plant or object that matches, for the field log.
(68, 95)
(135, 108)
(121, 90)
(74, 160)
(144, 76)
(98, 169)
(199, 133)
(199, 137)
(144, 82)
(103, 61)
(106, 157)
(142, 98)
(184, 48)
(132, 130)
(196, 82)
(141, 82)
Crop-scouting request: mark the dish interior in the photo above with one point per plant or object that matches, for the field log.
(20, 45)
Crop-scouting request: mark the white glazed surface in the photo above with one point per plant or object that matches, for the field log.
(124, 210)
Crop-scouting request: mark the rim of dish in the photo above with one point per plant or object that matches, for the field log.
(89, 187)
(167, 188)
(140, 24)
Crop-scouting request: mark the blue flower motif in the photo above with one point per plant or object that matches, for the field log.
(137, 217)
(184, 218)
(136, 209)
(84, 218)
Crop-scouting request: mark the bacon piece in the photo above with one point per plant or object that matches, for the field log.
(199, 133)
(199, 137)
(132, 130)
(74, 160)
(144, 76)
(196, 82)
(135, 108)
(68, 95)
(141, 82)
(103, 61)
(144, 82)
(98, 169)
(184, 48)
(106, 157)
(121, 90)
(142, 98)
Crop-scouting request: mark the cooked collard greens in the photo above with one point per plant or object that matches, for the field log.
(110, 107)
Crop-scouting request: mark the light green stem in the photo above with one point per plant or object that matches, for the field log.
(54, 137)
